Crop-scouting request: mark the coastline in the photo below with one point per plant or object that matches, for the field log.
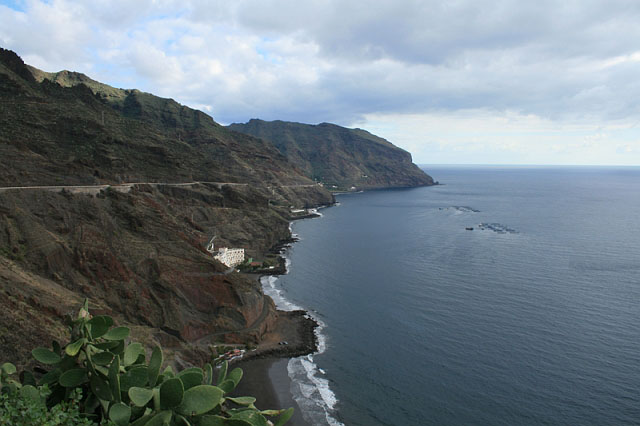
(268, 380)
(287, 376)
(296, 328)
(277, 372)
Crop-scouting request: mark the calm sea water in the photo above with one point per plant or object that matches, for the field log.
(534, 319)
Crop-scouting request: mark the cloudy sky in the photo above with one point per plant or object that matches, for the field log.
(455, 81)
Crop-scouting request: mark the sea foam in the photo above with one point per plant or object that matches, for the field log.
(310, 391)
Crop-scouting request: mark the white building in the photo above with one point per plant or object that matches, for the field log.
(230, 256)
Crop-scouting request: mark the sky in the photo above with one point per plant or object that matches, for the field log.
(452, 82)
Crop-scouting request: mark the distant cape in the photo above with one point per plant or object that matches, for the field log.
(338, 157)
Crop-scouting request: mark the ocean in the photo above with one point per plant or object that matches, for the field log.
(531, 318)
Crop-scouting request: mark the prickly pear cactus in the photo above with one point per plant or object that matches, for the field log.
(120, 387)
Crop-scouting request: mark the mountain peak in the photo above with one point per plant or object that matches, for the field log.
(14, 63)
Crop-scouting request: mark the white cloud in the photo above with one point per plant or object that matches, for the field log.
(47, 33)
(473, 63)
(494, 137)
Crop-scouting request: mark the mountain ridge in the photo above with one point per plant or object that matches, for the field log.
(338, 157)
(92, 136)
(136, 251)
(387, 166)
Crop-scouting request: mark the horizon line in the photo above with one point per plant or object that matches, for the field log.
(526, 165)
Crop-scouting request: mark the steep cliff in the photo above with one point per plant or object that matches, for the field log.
(87, 132)
(136, 251)
(339, 157)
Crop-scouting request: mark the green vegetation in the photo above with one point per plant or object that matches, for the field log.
(27, 407)
(252, 265)
(99, 378)
(16, 253)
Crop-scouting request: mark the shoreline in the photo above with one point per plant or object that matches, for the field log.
(267, 379)
(285, 350)
(275, 371)
(296, 328)
(361, 189)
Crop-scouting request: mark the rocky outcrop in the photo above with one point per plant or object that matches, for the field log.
(140, 257)
(338, 157)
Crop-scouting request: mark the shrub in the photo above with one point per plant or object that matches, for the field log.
(104, 379)
(27, 407)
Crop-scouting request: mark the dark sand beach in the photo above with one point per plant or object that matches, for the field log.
(265, 374)
(265, 369)
(267, 379)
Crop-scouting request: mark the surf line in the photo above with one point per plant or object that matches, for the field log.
(309, 389)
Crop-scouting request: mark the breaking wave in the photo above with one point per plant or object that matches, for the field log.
(309, 389)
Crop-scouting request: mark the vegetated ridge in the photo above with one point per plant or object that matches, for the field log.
(137, 252)
(338, 157)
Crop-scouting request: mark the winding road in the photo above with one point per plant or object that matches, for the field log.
(126, 187)
(122, 187)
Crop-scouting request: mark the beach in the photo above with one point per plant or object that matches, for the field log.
(265, 374)
(268, 381)
(294, 334)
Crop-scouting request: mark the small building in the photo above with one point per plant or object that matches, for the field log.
(230, 256)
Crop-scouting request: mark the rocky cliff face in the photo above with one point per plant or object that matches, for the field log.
(87, 132)
(138, 251)
(339, 157)
(138, 256)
